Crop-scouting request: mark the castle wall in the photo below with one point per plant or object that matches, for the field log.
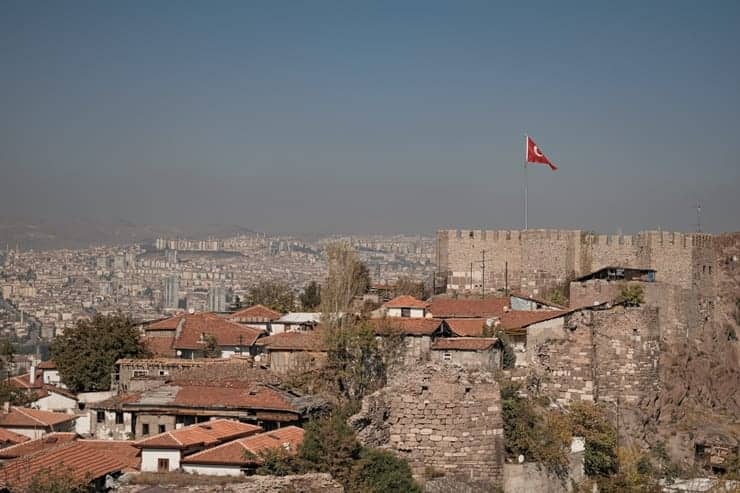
(542, 259)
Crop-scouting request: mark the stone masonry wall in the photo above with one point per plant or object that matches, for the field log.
(539, 259)
(440, 417)
(601, 355)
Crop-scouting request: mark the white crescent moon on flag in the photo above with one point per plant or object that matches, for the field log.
(537, 151)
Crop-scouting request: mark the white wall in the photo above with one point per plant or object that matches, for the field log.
(150, 457)
(415, 312)
(212, 470)
(95, 396)
(56, 402)
(32, 433)
(82, 425)
(51, 377)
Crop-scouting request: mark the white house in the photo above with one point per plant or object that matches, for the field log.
(406, 306)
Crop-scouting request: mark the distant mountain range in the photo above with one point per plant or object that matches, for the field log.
(79, 233)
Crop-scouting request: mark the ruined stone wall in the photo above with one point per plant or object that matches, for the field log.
(540, 259)
(439, 417)
(304, 483)
(600, 355)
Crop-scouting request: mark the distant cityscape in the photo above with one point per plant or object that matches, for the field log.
(45, 291)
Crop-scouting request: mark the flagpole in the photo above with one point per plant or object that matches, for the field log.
(526, 199)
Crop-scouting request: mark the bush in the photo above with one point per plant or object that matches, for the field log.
(590, 422)
(631, 295)
(379, 471)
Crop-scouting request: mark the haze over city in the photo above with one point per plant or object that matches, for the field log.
(372, 117)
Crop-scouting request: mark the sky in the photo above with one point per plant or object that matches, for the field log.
(376, 116)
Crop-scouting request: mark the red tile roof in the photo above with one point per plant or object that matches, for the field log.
(159, 345)
(312, 340)
(23, 417)
(520, 319)
(406, 301)
(227, 333)
(24, 381)
(7, 436)
(75, 460)
(170, 323)
(28, 447)
(468, 308)
(465, 343)
(47, 365)
(255, 313)
(123, 449)
(205, 434)
(466, 327)
(246, 451)
(257, 396)
(406, 326)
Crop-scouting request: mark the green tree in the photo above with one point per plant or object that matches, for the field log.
(380, 471)
(210, 347)
(86, 354)
(272, 294)
(311, 296)
(12, 394)
(590, 421)
(631, 295)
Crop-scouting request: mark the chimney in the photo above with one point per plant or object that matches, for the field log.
(32, 374)
(6, 407)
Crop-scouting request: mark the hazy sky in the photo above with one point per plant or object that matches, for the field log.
(371, 116)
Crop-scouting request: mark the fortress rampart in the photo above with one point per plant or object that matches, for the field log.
(534, 260)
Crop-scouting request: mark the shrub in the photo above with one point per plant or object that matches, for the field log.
(590, 422)
(379, 471)
(631, 295)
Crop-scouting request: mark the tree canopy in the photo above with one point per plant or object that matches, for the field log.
(272, 294)
(86, 353)
(311, 296)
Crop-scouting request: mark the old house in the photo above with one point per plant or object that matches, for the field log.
(523, 302)
(257, 316)
(50, 374)
(29, 446)
(296, 321)
(181, 403)
(9, 438)
(163, 452)
(406, 306)
(605, 284)
(242, 456)
(34, 423)
(195, 335)
(483, 353)
(417, 333)
(293, 351)
(486, 308)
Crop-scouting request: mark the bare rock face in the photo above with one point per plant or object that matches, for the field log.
(304, 483)
(444, 420)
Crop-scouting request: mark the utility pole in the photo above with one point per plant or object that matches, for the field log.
(506, 278)
(471, 277)
(698, 218)
(483, 275)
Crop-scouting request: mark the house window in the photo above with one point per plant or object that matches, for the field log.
(119, 418)
(405, 312)
(447, 356)
(163, 465)
(100, 416)
(140, 373)
(162, 428)
(145, 429)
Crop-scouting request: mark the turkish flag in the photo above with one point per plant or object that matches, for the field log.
(535, 154)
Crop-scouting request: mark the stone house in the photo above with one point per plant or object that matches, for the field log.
(287, 352)
(482, 353)
(164, 452)
(417, 333)
(242, 456)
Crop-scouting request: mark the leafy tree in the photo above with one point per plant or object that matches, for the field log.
(590, 421)
(631, 295)
(210, 347)
(508, 356)
(86, 354)
(272, 294)
(407, 286)
(329, 445)
(311, 296)
(12, 394)
(348, 278)
(59, 480)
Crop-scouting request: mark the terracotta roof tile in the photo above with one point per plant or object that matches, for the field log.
(255, 313)
(406, 301)
(28, 447)
(47, 365)
(245, 451)
(24, 417)
(465, 343)
(312, 340)
(405, 326)
(207, 434)
(170, 323)
(520, 319)
(468, 308)
(24, 381)
(227, 333)
(7, 436)
(466, 327)
(159, 345)
(123, 449)
(77, 460)
(255, 397)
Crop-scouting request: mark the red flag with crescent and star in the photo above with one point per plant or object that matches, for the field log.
(535, 154)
